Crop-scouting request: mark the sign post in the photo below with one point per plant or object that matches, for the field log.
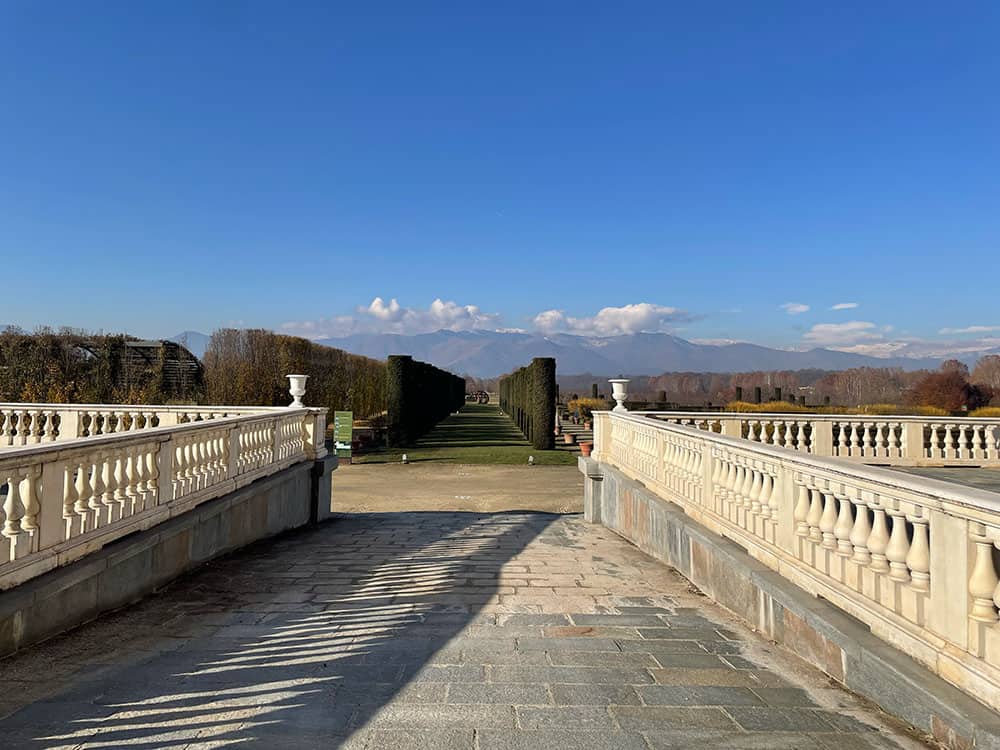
(343, 433)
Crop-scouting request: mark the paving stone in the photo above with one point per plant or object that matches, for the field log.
(510, 694)
(619, 620)
(416, 739)
(780, 719)
(569, 675)
(722, 676)
(558, 739)
(601, 659)
(784, 696)
(647, 718)
(685, 740)
(567, 644)
(443, 716)
(584, 695)
(662, 647)
(577, 717)
(697, 695)
(402, 643)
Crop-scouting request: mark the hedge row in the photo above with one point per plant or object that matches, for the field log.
(418, 396)
(529, 396)
(248, 367)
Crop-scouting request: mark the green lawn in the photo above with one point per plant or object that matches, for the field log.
(478, 434)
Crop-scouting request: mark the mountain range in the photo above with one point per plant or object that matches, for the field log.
(491, 353)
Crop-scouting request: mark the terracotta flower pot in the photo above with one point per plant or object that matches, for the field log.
(569, 438)
(586, 448)
(588, 425)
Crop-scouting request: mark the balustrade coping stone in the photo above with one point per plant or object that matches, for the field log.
(871, 667)
(22, 405)
(935, 490)
(146, 435)
(815, 417)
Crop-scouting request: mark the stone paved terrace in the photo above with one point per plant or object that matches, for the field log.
(428, 630)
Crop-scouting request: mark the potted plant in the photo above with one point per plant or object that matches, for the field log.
(586, 447)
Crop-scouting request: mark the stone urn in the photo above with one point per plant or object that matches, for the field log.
(586, 448)
(619, 392)
(297, 387)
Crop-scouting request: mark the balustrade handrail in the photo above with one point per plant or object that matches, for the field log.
(139, 407)
(914, 558)
(935, 489)
(63, 499)
(878, 439)
(812, 416)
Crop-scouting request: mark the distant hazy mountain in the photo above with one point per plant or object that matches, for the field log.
(487, 353)
(194, 342)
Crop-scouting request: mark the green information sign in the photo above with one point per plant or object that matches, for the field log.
(343, 423)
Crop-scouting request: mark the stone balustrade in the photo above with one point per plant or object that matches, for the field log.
(107, 471)
(35, 424)
(915, 559)
(892, 441)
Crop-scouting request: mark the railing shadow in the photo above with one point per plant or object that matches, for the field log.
(337, 623)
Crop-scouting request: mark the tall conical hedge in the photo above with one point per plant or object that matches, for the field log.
(418, 396)
(528, 396)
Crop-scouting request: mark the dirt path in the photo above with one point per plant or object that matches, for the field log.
(443, 486)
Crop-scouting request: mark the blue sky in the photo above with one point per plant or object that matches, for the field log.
(693, 167)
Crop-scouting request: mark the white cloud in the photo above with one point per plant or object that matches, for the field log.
(795, 308)
(390, 317)
(970, 329)
(842, 334)
(612, 321)
(845, 306)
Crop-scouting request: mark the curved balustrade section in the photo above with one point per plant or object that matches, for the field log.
(917, 560)
(65, 499)
(36, 424)
(890, 441)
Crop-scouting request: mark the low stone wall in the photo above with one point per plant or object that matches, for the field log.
(825, 636)
(130, 568)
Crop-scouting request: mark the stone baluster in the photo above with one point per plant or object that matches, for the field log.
(898, 549)
(815, 515)
(121, 481)
(936, 446)
(881, 444)
(978, 444)
(153, 473)
(768, 497)
(855, 447)
(96, 501)
(895, 443)
(844, 525)
(962, 445)
(828, 521)
(918, 559)
(866, 439)
(878, 540)
(949, 441)
(13, 507)
(131, 492)
(748, 474)
(992, 443)
(32, 498)
(983, 582)
(843, 441)
(108, 463)
(800, 437)
(801, 511)
(755, 487)
(860, 534)
(141, 486)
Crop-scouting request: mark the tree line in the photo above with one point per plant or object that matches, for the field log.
(528, 395)
(950, 388)
(242, 367)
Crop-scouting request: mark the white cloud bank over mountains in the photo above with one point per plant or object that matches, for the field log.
(857, 336)
(613, 321)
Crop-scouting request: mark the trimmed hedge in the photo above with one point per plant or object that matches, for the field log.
(418, 396)
(528, 396)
